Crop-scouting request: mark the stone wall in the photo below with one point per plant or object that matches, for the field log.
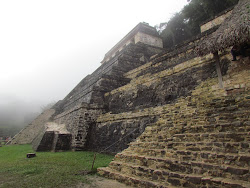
(148, 39)
(53, 137)
(78, 122)
(162, 80)
(80, 108)
(136, 105)
(200, 140)
(162, 87)
(215, 21)
(150, 36)
(114, 135)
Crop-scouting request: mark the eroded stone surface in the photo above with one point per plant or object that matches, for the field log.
(166, 114)
(54, 137)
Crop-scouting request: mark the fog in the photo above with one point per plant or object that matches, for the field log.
(17, 112)
(47, 47)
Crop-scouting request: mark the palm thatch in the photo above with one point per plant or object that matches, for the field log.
(234, 30)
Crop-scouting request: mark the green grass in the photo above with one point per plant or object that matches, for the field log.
(48, 169)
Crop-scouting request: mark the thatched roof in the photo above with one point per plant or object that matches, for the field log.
(234, 30)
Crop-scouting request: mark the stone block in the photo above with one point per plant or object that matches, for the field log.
(30, 155)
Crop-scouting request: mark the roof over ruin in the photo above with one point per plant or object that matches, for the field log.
(234, 30)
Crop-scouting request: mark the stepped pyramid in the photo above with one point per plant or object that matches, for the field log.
(200, 136)
(201, 140)
(79, 110)
(174, 117)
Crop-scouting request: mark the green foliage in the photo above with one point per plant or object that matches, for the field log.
(48, 169)
(186, 23)
(176, 31)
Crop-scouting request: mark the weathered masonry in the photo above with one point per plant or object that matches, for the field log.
(141, 33)
(200, 137)
(218, 20)
(175, 117)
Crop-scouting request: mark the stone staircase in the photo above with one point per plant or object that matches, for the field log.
(81, 134)
(29, 133)
(82, 128)
(200, 141)
(107, 79)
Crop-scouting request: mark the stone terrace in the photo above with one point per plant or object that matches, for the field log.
(163, 80)
(199, 140)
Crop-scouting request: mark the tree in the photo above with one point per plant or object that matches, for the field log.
(198, 11)
(176, 31)
(186, 23)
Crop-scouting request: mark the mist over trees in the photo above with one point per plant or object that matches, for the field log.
(186, 23)
(15, 114)
(48, 106)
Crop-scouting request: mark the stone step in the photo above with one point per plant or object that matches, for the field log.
(224, 147)
(234, 110)
(174, 178)
(130, 179)
(202, 127)
(239, 160)
(214, 137)
(198, 137)
(187, 155)
(236, 126)
(230, 117)
(148, 166)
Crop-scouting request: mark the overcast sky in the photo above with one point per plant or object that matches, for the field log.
(48, 46)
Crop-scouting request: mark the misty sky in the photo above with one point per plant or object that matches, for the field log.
(47, 47)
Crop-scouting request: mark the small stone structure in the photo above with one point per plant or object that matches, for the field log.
(54, 137)
(30, 155)
(141, 33)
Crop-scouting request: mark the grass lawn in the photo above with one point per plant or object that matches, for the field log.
(48, 169)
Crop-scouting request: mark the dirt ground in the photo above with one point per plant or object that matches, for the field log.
(100, 182)
(95, 182)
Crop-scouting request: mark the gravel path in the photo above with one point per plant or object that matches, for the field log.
(100, 182)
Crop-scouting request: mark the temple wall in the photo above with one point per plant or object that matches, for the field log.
(164, 79)
(148, 39)
(215, 22)
(201, 140)
(77, 121)
(155, 87)
(149, 33)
